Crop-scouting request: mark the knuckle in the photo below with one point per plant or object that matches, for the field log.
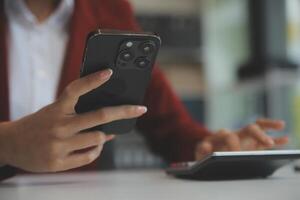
(252, 127)
(53, 165)
(59, 128)
(232, 138)
(68, 91)
(224, 132)
(99, 137)
(56, 131)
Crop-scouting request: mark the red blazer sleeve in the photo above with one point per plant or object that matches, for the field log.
(167, 126)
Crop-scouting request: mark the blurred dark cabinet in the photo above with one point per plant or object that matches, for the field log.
(181, 35)
(176, 31)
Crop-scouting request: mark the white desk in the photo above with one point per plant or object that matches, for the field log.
(147, 185)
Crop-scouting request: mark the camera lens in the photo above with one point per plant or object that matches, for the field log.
(142, 62)
(129, 44)
(147, 47)
(126, 56)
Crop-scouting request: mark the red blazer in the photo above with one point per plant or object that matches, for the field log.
(167, 127)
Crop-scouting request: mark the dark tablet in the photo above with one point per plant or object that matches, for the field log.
(234, 165)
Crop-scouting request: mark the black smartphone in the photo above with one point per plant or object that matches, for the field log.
(131, 56)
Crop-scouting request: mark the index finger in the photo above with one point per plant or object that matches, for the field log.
(271, 124)
(105, 115)
(280, 141)
(82, 86)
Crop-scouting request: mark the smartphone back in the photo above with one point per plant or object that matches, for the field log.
(131, 56)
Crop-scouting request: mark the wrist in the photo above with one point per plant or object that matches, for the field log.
(5, 136)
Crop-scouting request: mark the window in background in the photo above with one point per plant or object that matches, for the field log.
(225, 47)
(293, 52)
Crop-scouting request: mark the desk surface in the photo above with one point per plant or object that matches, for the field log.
(147, 185)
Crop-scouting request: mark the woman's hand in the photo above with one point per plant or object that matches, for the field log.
(50, 139)
(251, 137)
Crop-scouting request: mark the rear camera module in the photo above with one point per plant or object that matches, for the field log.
(142, 62)
(126, 56)
(147, 47)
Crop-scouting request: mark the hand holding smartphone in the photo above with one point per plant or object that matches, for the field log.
(131, 56)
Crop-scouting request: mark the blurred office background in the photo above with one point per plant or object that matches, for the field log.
(230, 61)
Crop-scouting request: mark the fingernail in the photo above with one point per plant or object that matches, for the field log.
(106, 74)
(110, 137)
(142, 109)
